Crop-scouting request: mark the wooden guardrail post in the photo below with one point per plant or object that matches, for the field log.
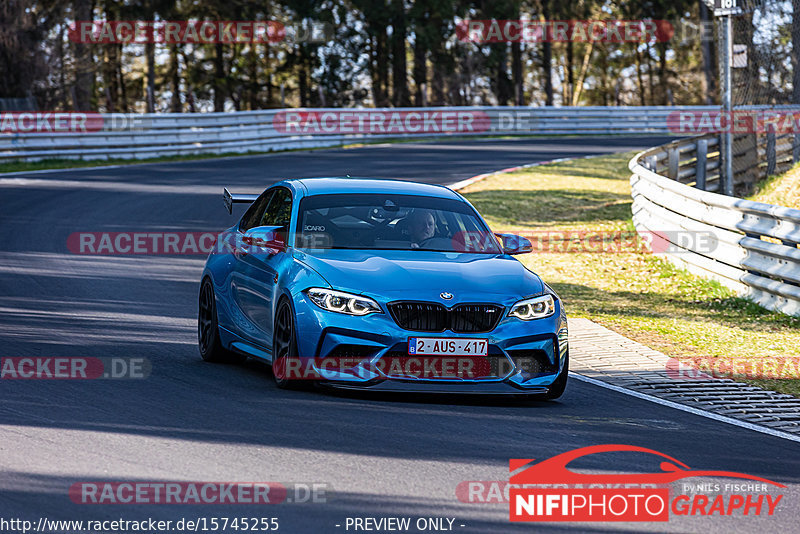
(796, 147)
(673, 162)
(745, 150)
(702, 162)
(771, 156)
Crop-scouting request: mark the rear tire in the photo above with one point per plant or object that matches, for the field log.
(208, 342)
(560, 384)
(285, 361)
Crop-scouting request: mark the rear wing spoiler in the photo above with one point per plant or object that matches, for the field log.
(230, 199)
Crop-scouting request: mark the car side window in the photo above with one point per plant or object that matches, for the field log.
(255, 212)
(279, 210)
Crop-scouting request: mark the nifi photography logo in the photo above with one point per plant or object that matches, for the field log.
(549, 491)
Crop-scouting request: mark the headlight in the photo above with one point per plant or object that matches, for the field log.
(338, 301)
(534, 308)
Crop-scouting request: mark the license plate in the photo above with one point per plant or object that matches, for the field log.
(447, 346)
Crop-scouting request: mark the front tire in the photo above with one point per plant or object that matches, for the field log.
(285, 361)
(558, 386)
(208, 342)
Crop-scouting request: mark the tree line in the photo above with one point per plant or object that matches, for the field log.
(371, 53)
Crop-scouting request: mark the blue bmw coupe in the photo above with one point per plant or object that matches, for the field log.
(381, 285)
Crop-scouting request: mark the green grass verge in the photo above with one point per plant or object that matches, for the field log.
(781, 190)
(636, 294)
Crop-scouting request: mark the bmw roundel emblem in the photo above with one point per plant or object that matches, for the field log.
(445, 295)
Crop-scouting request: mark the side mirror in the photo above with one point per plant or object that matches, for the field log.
(264, 239)
(515, 244)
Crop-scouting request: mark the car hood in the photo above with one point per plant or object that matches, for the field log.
(422, 275)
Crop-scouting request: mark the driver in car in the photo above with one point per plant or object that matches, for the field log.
(422, 226)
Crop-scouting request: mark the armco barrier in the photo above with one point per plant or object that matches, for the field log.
(263, 131)
(748, 246)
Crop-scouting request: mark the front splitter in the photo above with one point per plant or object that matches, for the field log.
(405, 386)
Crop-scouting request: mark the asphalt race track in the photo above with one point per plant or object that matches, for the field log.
(193, 421)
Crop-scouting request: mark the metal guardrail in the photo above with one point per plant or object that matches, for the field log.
(748, 246)
(263, 131)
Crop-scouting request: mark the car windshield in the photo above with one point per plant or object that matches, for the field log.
(392, 222)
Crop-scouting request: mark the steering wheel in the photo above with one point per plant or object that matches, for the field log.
(422, 243)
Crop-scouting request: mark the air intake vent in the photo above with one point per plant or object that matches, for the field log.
(420, 316)
(468, 318)
(433, 317)
(535, 362)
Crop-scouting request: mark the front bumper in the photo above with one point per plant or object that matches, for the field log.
(525, 357)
